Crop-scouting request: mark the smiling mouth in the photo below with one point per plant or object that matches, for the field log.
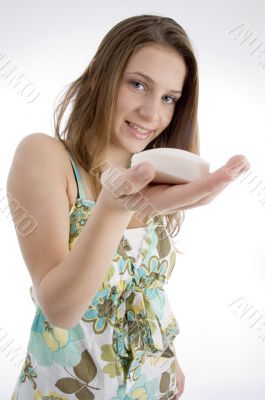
(136, 133)
(138, 129)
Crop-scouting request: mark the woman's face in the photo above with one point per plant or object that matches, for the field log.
(147, 102)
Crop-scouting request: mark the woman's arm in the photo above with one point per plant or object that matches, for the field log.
(180, 377)
(65, 282)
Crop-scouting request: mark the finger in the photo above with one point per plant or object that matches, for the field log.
(202, 202)
(139, 176)
(180, 391)
(234, 160)
(177, 396)
(121, 181)
(192, 192)
(207, 199)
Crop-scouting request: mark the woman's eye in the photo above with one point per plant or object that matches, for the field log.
(137, 82)
(174, 100)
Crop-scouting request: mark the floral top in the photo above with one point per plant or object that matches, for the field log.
(128, 323)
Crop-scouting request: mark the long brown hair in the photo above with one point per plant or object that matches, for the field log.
(94, 93)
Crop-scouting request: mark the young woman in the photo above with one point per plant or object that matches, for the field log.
(103, 327)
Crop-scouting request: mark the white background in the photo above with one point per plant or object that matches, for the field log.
(224, 254)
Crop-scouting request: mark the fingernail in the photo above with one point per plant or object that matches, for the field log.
(234, 173)
(142, 173)
(236, 170)
(238, 165)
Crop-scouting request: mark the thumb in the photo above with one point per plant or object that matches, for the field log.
(143, 172)
(121, 181)
(136, 178)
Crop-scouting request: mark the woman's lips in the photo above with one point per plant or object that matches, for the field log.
(139, 127)
(135, 133)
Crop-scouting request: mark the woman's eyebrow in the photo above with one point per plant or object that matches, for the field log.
(151, 80)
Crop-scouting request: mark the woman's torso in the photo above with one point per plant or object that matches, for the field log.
(128, 325)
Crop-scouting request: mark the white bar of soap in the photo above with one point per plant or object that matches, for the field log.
(173, 166)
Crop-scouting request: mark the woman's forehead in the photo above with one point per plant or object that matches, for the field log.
(158, 64)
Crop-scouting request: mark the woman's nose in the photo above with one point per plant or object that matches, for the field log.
(150, 109)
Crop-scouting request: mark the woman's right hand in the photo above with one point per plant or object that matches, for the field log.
(124, 188)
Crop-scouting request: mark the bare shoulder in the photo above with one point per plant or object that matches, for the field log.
(39, 151)
(38, 143)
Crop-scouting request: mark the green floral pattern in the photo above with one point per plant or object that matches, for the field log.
(122, 346)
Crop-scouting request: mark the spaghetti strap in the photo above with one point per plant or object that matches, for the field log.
(80, 186)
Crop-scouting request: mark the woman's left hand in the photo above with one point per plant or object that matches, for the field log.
(180, 381)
